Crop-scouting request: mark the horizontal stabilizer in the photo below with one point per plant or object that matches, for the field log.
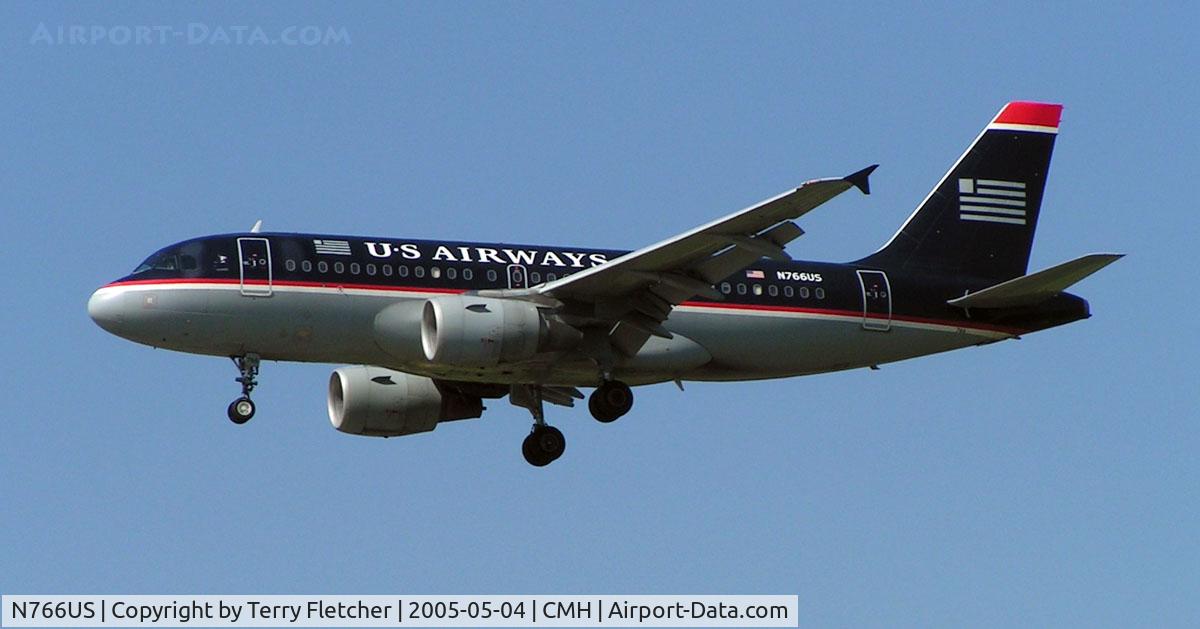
(1037, 287)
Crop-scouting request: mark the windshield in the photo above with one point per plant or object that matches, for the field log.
(166, 261)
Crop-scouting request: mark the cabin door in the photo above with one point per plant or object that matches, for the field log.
(877, 300)
(254, 255)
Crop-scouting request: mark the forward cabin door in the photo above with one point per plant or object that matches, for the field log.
(877, 300)
(254, 256)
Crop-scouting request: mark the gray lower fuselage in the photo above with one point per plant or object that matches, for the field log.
(337, 325)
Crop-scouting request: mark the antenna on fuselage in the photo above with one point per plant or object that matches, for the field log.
(257, 227)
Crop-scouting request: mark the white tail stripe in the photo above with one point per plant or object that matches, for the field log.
(990, 201)
(991, 210)
(991, 219)
(1008, 126)
(998, 192)
(996, 183)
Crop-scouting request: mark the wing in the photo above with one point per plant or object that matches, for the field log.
(635, 292)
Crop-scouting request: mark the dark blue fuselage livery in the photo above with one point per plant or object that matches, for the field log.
(424, 266)
(431, 329)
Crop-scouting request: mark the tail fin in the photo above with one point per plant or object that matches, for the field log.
(978, 222)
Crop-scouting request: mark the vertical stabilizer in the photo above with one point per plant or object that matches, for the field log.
(979, 221)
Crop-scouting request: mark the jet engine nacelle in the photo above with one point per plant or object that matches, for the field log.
(379, 402)
(468, 331)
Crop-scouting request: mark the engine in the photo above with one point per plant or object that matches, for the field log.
(468, 331)
(379, 402)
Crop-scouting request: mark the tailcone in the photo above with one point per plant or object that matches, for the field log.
(1059, 310)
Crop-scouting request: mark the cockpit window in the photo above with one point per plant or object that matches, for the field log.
(161, 262)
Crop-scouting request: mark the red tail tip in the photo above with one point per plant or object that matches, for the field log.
(1027, 113)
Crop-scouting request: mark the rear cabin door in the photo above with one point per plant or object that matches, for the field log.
(877, 300)
(254, 255)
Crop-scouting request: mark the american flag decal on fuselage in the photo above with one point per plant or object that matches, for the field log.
(991, 201)
(332, 247)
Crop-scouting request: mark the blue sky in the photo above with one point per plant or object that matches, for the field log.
(1046, 482)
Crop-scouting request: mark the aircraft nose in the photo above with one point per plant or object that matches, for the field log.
(104, 307)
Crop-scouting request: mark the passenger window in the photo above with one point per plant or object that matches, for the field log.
(306, 266)
(402, 270)
(757, 289)
(773, 290)
(491, 275)
(419, 271)
(550, 277)
(354, 268)
(387, 270)
(323, 266)
(820, 292)
(741, 288)
(290, 264)
(370, 268)
(804, 292)
(788, 291)
(468, 274)
(451, 273)
(435, 272)
(535, 277)
(726, 288)
(339, 268)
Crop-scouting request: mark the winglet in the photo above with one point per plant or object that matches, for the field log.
(859, 179)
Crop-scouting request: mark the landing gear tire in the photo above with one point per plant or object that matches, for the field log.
(543, 446)
(241, 410)
(610, 401)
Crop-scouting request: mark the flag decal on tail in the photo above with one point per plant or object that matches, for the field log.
(991, 201)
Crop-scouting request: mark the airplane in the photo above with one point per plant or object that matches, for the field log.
(434, 328)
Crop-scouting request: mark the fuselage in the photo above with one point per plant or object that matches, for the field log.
(318, 298)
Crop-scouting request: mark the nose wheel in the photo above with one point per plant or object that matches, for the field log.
(242, 409)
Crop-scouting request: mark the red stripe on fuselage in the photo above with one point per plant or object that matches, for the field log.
(334, 285)
(693, 304)
(855, 313)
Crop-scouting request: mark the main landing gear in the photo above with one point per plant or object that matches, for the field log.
(545, 443)
(610, 401)
(242, 409)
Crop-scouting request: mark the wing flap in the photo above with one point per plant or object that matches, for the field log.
(1036, 287)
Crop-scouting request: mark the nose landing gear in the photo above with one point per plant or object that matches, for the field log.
(242, 409)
